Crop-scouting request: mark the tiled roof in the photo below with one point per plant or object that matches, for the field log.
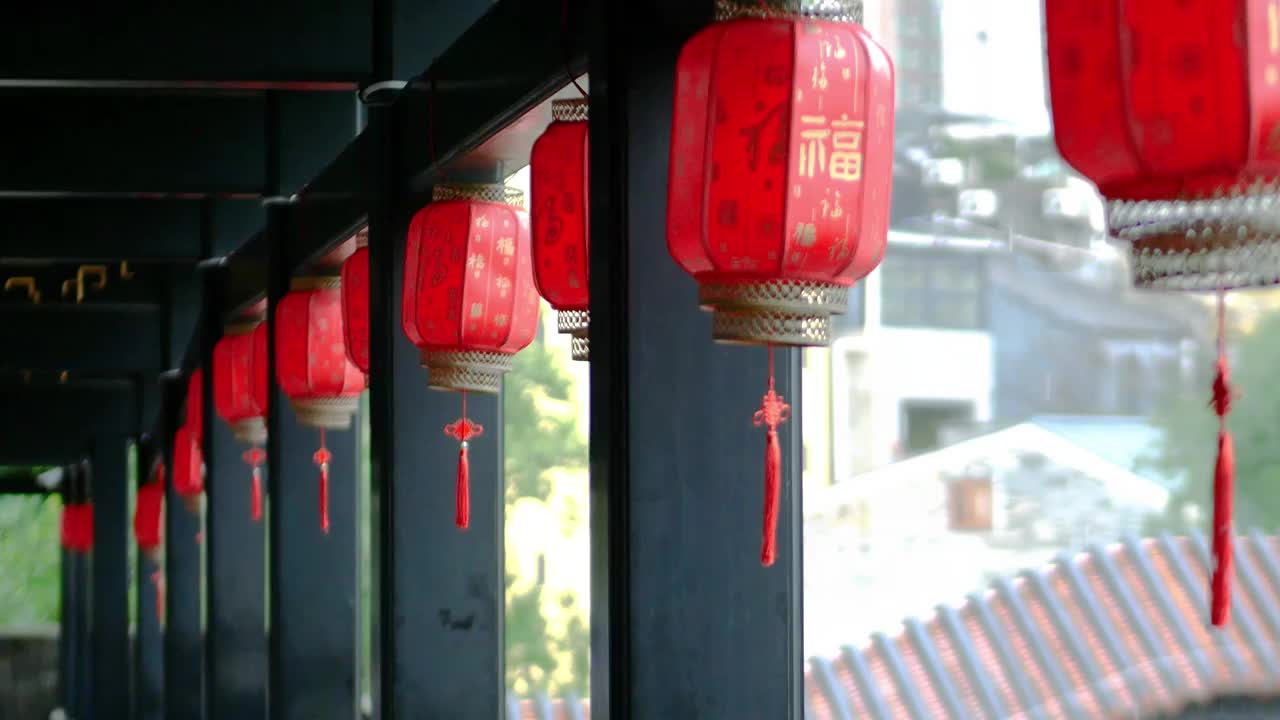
(1117, 632)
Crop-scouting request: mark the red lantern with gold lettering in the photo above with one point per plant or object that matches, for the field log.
(355, 303)
(561, 236)
(312, 368)
(240, 395)
(780, 177)
(148, 529)
(469, 301)
(1173, 109)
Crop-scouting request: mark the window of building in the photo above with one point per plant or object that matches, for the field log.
(936, 290)
(969, 504)
(925, 421)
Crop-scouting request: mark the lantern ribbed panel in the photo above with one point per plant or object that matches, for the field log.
(188, 463)
(559, 187)
(1173, 109)
(148, 516)
(469, 292)
(312, 367)
(781, 172)
(355, 307)
(240, 381)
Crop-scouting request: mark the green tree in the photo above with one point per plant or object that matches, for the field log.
(1189, 444)
(535, 442)
(30, 556)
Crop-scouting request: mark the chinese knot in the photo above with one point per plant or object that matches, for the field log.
(561, 236)
(312, 367)
(240, 395)
(469, 302)
(1173, 110)
(780, 178)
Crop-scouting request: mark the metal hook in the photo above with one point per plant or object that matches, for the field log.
(29, 283)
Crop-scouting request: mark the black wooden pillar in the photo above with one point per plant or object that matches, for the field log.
(313, 586)
(442, 609)
(183, 632)
(235, 639)
(685, 621)
(149, 638)
(110, 481)
(77, 656)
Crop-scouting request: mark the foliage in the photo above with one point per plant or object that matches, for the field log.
(1189, 445)
(30, 558)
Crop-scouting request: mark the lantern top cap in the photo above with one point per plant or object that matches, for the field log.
(315, 282)
(495, 193)
(574, 110)
(362, 238)
(830, 10)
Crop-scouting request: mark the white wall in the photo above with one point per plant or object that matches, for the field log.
(1004, 76)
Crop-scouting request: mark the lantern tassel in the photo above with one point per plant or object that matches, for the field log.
(157, 581)
(321, 459)
(1223, 481)
(463, 430)
(773, 412)
(254, 457)
(462, 491)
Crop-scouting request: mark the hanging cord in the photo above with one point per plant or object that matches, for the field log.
(564, 45)
(773, 412)
(463, 430)
(321, 459)
(254, 457)
(1223, 479)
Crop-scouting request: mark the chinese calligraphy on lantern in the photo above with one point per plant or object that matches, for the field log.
(831, 148)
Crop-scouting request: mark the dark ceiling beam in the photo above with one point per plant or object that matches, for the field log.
(478, 110)
(289, 44)
(154, 145)
(23, 483)
(47, 423)
(94, 230)
(98, 338)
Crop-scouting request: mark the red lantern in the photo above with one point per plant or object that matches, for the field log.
(148, 530)
(469, 301)
(240, 394)
(312, 366)
(780, 178)
(355, 303)
(1173, 109)
(195, 405)
(77, 527)
(561, 232)
(188, 469)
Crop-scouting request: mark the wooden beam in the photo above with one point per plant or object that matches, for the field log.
(98, 338)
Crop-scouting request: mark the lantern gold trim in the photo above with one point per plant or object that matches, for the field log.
(326, 413)
(316, 282)
(240, 328)
(578, 324)
(362, 238)
(1208, 244)
(252, 431)
(828, 10)
(494, 193)
(467, 370)
(773, 312)
(569, 110)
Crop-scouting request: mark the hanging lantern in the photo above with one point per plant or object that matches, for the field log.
(195, 405)
(561, 236)
(188, 469)
(148, 530)
(1172, 109)
(355, 304)
(312, 368)
(780, 177)
(77, 527)
(469, 301)
(240, 395)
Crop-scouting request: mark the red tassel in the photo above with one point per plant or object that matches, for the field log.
(462, 491)
(255, 497)
(321, 458)
(772, 492)
(463, 430)
(1223, 482)
(157, 581)
(773, 412)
